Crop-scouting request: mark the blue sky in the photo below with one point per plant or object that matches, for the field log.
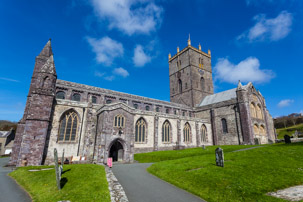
(124, 45)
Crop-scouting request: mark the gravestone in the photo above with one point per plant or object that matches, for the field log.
(57, 169)
(287, 139)
(120, 154)
(203, 146)
(219, 157)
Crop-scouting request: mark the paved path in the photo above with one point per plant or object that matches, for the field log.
(248, 148)
(9, 189)
(140, 186)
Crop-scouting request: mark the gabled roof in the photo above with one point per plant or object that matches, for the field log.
(223, 96)
(219, 97)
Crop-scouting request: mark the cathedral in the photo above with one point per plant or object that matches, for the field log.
(98, 123)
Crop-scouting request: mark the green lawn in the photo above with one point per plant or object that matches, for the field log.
(289, 131)
(83, 182)
(247, 175)
(177, 154)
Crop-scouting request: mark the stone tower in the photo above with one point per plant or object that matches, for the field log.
(33, 128)
(190, 75)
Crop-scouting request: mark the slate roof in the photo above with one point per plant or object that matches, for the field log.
(219, 97)
(4, 134)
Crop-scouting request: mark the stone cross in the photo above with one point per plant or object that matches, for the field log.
(219, 157)
(57, 169)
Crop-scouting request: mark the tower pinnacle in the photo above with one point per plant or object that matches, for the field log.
(188, 41)
(47, 50)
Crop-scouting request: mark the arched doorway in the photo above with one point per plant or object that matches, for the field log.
(116, 151)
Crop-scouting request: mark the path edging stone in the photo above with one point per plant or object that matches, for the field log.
(117, 193)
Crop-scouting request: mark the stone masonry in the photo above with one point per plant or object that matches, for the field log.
(93, 129)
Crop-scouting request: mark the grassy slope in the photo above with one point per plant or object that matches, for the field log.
(289, 131)
(177, 154)
(247, 175)
(85, 182)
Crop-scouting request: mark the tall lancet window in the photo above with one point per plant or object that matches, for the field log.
(166, 130)
(186, 133)
(140, 131)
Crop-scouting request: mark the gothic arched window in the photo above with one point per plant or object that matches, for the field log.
(68, 126)
(259, 112)
(140, 131)
(203, 133)
(186, 133)
(253, 110)
(180, 85)
(202, 83)
(166, 130)
(119, 121)
(108, 101)
(60, 95)
(76, 97)
(147, 108)
(224, 126)
(262, 130)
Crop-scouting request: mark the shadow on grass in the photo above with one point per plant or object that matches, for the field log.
(63, 181)
(64, 171)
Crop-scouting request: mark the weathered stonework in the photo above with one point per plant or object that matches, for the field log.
(97, 137)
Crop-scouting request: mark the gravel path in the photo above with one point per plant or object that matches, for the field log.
(9, 189)
(140, 186)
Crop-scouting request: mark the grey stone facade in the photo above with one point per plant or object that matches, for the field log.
(97, 135)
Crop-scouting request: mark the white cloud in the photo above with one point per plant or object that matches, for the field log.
(121, 72)
(140, 57)
(269, 29)
(8, 79)
(106, 49)
(99, 74)
(109, 78)
(247, 70)
(285, 103)
(129, 16)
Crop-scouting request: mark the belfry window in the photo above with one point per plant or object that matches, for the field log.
(68, 127)
(224, 126)
(166, 130)
(140, 131)
(186, 133)
(76, 97)
(119, 121)
(202, 83)
(180, 85)
(60, 95)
